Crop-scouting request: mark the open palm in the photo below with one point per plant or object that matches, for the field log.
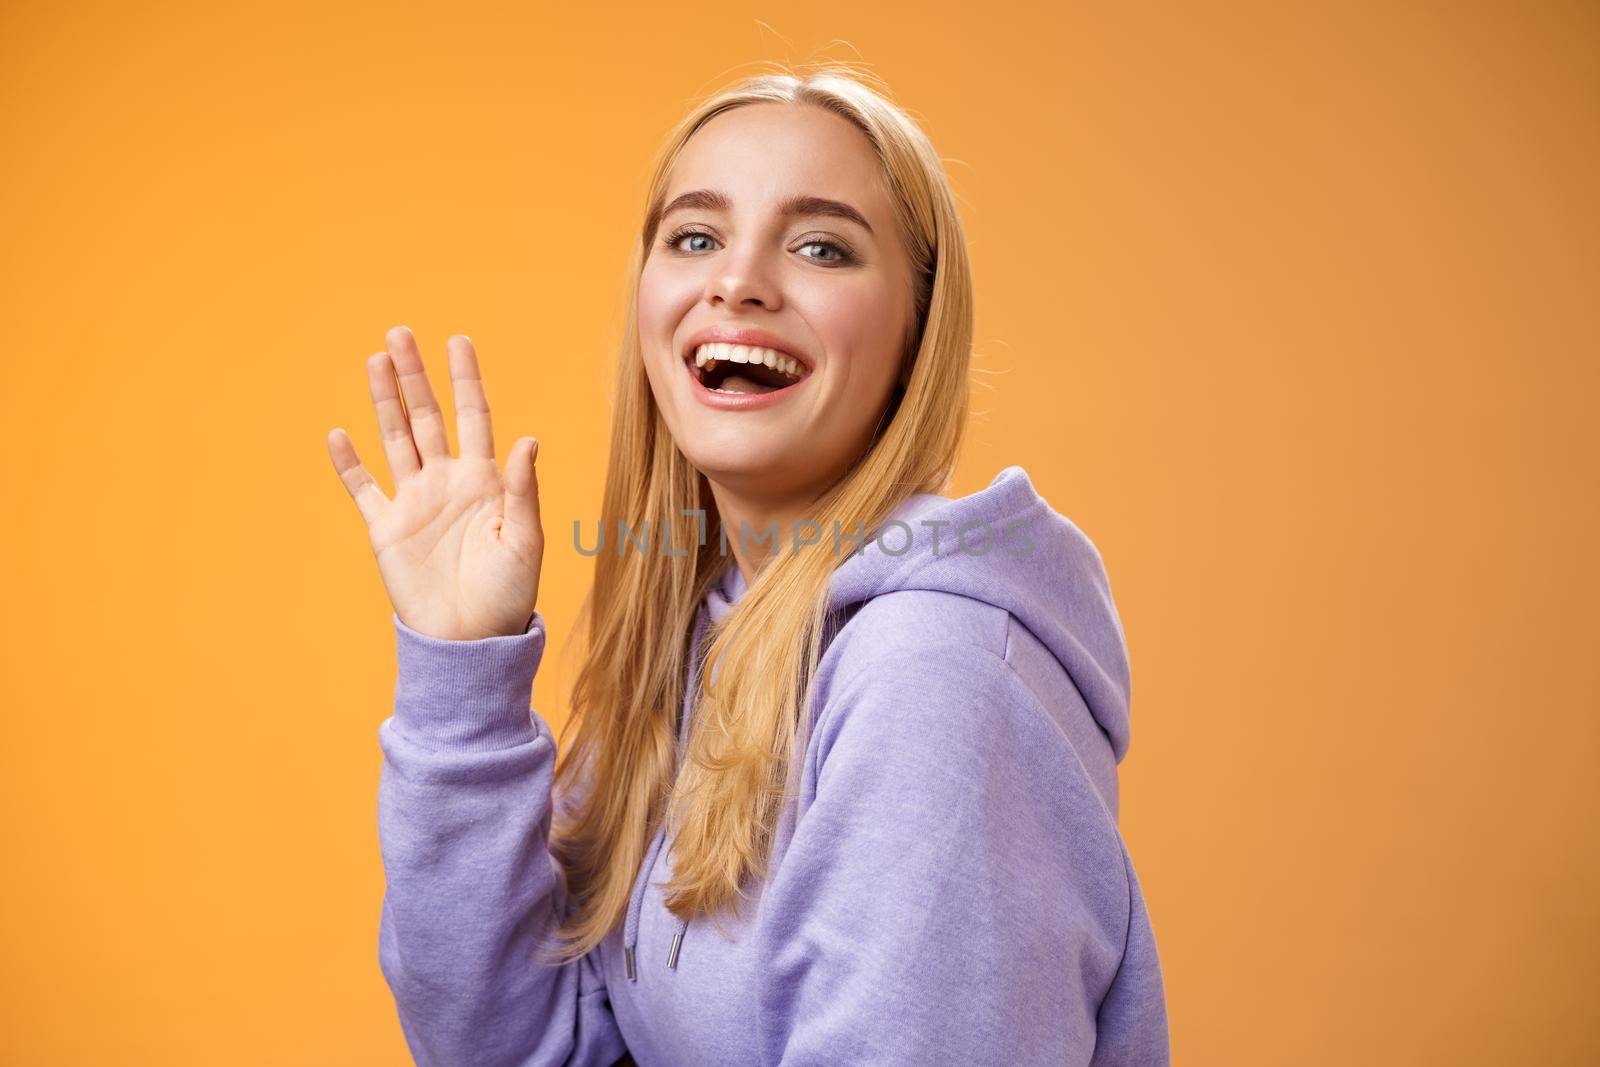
(460, 545)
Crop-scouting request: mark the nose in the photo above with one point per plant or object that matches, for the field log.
(744, 277)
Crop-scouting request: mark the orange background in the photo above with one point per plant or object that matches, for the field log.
(1291, 307)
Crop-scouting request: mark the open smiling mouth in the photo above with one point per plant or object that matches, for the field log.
(744, 369)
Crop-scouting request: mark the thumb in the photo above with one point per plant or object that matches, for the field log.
(521, 525)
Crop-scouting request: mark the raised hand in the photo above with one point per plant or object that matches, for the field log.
(460, 545)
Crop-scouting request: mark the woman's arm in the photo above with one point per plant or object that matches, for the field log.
(464, 811)
(464, 796)
(956, 892)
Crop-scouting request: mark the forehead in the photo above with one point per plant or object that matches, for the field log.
(760, 153)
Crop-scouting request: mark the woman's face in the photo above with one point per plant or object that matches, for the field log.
(751, 249)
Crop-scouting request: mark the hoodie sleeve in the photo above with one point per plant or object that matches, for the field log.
(464, 813)
(956, 892)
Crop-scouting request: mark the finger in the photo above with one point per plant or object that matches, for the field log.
(521, 524)
(398, 446)
(363, 490)
(427, 421)
(473, 428)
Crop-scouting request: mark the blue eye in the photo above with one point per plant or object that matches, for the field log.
(679, 235)
(844, 256)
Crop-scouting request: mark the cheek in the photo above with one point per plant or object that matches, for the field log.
(665, 297)
(657, 319)
(651, 300)
(862, 325)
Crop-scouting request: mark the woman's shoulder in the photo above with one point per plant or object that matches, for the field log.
(964, 668)
(939, 692)
(927, 624)
(923, 652)
(906, 620)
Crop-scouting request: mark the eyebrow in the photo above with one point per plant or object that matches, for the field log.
(801, 204)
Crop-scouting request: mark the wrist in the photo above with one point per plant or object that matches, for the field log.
(467, 694)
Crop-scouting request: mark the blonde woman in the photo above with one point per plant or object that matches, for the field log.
(842, 785)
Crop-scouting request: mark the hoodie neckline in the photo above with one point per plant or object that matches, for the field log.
(722, 596)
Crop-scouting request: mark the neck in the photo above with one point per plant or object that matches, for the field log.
(748, 523)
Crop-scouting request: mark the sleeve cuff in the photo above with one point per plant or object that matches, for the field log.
(467, 695)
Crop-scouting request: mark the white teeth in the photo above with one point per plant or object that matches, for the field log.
(718, 351)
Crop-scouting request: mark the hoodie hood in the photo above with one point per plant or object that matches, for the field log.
(1003, 545)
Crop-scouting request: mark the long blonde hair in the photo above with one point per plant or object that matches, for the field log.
(620, 778)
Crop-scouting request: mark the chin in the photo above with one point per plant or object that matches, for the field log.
(736, 471)
(767, 471)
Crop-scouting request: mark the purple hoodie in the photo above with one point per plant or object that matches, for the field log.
(949, 888)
